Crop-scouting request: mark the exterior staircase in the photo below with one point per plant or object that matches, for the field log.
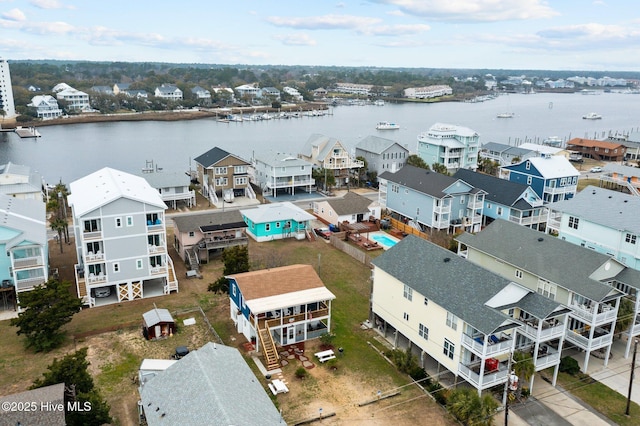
(271, 357)
(213, 197)
(250, 192)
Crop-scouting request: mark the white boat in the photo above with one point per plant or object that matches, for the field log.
(592, 116)
(386, 125)
(506, 115)
(379, 102)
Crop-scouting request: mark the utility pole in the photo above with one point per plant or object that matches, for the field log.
(506, 391)
(633, 367)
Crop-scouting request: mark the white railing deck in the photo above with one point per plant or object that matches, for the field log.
(27, 262)
(586, 314)
(545, 334)
(480, 349)
(488, 380)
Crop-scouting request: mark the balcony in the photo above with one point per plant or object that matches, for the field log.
(606, 314)
(560, 189)
(93, 258)
(442, 208)
(23, 284)
(288, 183)
(498, 346)
(550, 359)
(155, 226)
(158, 270)
(549, 331)
(275, 322)
(95, 279)
(471, 374)
(154, 249)
(580, 338)
(27, 262)
(528, 220)
(222, 242)
(92, 235)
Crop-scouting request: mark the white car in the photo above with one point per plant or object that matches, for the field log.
(596, 169)
(102, 292)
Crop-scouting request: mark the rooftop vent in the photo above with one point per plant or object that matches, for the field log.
(446, 259)
(540, 239)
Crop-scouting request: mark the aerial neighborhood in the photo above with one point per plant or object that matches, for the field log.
(245, 281)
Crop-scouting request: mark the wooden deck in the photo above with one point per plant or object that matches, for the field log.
(363, 242)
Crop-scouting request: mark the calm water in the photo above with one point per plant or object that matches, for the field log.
(72, 151)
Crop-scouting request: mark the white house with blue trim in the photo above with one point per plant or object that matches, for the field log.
(552, 177)
(455, 147)
(277, 221)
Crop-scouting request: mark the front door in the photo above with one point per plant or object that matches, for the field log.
(291, 334)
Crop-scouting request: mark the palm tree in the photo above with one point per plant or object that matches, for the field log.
(58, 224)
(523, 367)
(470, 409)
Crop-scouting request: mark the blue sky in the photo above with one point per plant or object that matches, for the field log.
(508, 34)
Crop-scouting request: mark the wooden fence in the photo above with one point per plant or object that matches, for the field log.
(337, 241)
(407, 229)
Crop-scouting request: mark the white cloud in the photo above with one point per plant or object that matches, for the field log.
(394, 30)
(295, 39)
(326, 22)
(14, 15)
(50, 4)
(474, 10)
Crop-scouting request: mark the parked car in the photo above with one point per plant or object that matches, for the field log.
(102, 292)
(596, 169)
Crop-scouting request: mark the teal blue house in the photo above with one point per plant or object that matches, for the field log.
(277, 221)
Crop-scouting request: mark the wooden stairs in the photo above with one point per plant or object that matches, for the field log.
(271, 357)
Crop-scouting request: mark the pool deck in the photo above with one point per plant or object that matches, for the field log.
(387, 235)
(366, 242)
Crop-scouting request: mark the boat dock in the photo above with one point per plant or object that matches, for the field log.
(27, 132)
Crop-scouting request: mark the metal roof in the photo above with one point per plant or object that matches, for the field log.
(156, 316)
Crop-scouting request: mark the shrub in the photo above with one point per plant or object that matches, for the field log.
(327, 338)
(569, 365)
(301, 373)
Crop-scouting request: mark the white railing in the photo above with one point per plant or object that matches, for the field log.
(544, 334)
(92, 235)
(442, 208)
(489, 350)
(97, 257)
(560, 189)
(289, 183)
(488, 380)
(212, 195)
(156, 249)
(27, 262)
(547, 361)
(29, 283)
(586, 314)
(597, 342)
(250, 192)
(529, 220)
(156, 270)
(180, 196)
(93, 279)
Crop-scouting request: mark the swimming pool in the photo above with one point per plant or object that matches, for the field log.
(383, 240)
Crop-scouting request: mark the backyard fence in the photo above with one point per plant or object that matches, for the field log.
(337, 241)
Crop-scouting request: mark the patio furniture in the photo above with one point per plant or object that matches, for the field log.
(325, 355)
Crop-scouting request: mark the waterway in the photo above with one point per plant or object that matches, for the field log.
(68, 152)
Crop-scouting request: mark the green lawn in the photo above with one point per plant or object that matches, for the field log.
(601, 397)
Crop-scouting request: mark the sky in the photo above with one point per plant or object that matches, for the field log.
(601, 35)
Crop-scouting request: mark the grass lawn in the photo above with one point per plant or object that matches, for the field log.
(602, 398)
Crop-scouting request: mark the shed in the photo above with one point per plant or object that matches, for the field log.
(157, 323)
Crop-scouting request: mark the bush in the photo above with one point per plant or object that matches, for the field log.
(569, 365)
(327, 339)
(301, 373)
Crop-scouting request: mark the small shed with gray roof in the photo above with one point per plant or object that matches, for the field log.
(350, 208)
(157, 324)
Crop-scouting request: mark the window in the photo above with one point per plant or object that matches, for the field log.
(118, 222)
(547, 289)
(630, 238)
(426, 301)
(192, 234)
(449, 348)
(267, 227)
(527, 165)
(563, 181)
(423, 331)
(406, 316)
(408, 292)
(277, 225)
(221, 170)
(462, 199)
(529, 180)
(518, 273)
(129, 220)
(240, 180)
(139, 264)
(222, 181)
(233, 289)
(499, 210)
(573, 222)
(116, 267)
(239, 169)
(452, 321)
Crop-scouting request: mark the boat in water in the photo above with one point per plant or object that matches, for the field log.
(386, 125)
(592, 116)
(506, 115)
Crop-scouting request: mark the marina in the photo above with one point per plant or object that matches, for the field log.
(67, 152)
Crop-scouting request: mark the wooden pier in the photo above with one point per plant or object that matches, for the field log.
(27, 132)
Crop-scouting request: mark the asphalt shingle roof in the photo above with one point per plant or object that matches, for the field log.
(422, 180)
(351, 203)
(550, 258)
(213, 156)
(498, 190)
(207, 222)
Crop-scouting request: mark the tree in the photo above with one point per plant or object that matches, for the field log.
(523, 367)
(440, 168)
(470, 409)
(625, 315)
(236, 261)
(417, 161)
(362, 171)
(45, 310)
(79, 388)
(324, 177)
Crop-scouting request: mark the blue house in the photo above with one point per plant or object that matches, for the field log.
(23, 237)
(432, 200)
(507, 200)
(552, 177)
(277, 221)
(279, 307)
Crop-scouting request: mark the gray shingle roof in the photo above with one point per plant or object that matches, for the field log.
(53, 394)
(377, 144)
(166, 179)
(422, 180)
(207, 222)
(498, 190)
(210, 386)
(350, 203)
(215, 155)
(612, 209)
(550, 258)
(156, 316)
(457, 285)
